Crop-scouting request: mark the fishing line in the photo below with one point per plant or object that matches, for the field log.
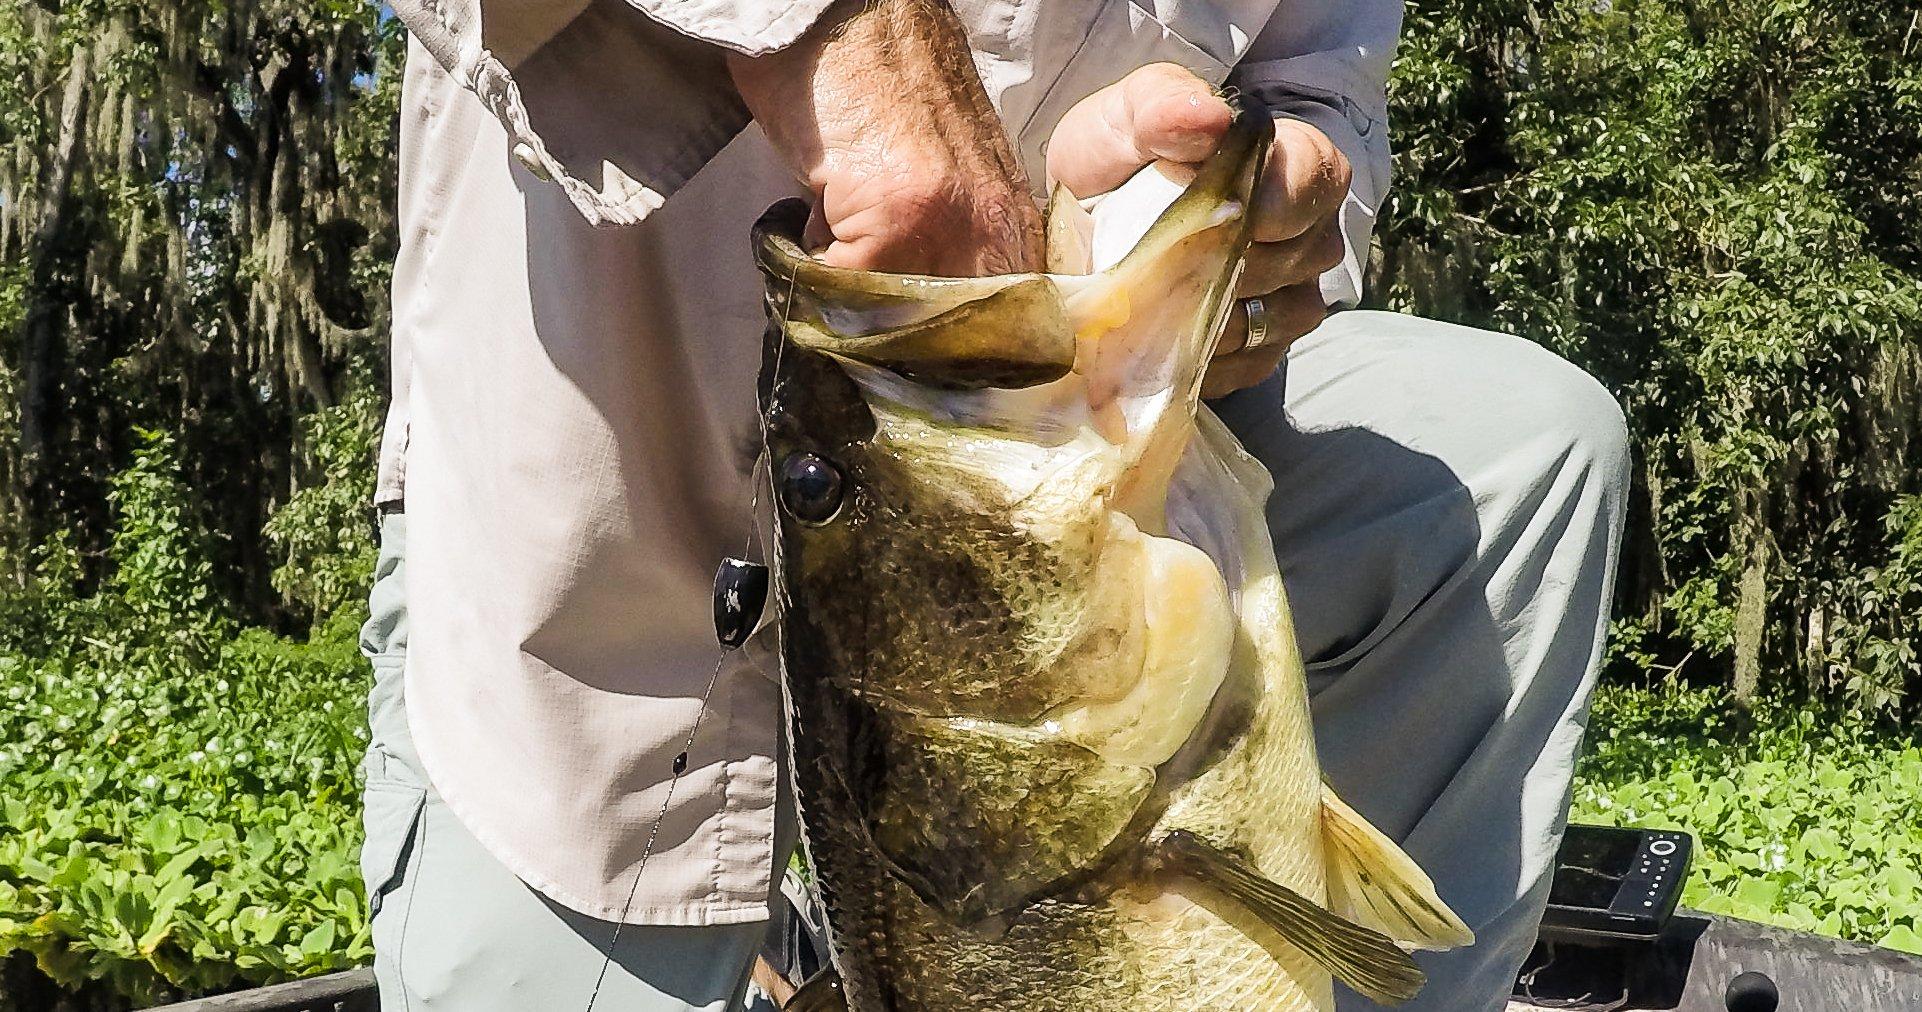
(760, 469)
(680, 767)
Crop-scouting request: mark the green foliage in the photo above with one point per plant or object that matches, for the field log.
(178, 802)
(192, 315)
(197, 235)
(1804, 817)
(1715, 208)
(160, 593)
(323, 530)
(1882, 631)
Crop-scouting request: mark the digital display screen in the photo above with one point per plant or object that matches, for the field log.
(1591, 865)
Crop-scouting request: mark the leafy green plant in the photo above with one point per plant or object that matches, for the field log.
(178, 800)
(1805, 817)
(160, 592)
(324, 531)
(1716, 208)
(1877, 631)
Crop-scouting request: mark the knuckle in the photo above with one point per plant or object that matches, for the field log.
(1342, 174)
(1324, 169)
(1330, 176)
(1164, 74)
(1329, 246)
(916, 201)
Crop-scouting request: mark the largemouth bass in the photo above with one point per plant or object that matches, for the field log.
(1050, 726)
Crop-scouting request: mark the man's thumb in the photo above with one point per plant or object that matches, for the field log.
(1161, 111)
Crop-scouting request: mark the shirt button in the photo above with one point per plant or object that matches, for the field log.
(524, 154)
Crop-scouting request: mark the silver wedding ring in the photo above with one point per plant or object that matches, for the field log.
(1258, 329)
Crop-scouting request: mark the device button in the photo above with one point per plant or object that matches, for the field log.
(1662, 848)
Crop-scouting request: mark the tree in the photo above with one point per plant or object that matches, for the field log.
(1717, 208)
(196, 214)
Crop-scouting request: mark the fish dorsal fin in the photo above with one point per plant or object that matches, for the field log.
(1372, 881)
(1359, 957)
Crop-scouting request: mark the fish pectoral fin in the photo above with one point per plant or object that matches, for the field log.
(1375, 883)
(822, 993)
(1359, 957)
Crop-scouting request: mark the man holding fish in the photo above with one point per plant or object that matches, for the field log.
(574, 433)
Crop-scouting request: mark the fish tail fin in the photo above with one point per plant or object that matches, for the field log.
(822, 993)
(1359, 957)
(1373, 882)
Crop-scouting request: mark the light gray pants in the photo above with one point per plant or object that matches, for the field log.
(1448, 505)
(1447, 508)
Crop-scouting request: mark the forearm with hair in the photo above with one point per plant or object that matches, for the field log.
(880, 110)
(924, 51)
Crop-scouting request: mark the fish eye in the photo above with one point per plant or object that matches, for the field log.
(811, 488)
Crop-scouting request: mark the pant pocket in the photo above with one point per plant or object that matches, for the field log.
(390, 745)
(390, 813)
(385, 631)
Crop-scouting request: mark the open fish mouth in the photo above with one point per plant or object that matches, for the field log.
(1034, 642)
(1019, 330)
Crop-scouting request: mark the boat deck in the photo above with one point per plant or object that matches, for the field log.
(1687, 970)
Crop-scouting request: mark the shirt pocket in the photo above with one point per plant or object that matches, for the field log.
(1125, 35)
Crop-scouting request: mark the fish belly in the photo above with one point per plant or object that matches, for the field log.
(1264, 793)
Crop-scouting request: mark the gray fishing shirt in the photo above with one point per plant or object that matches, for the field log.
(577, 328)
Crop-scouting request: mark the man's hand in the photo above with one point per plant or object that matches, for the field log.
(1163, 112)
(879, 110)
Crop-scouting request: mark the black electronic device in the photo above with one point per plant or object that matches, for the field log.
(1615, 883)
